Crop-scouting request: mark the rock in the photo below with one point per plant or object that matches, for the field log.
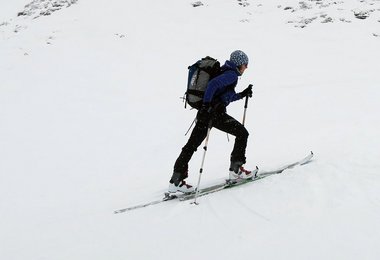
(196, 4)
(361, 14)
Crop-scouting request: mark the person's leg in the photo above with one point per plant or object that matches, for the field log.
(181, 165)
(228, 124)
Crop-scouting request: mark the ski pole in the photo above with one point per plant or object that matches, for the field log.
(246, 106)
(203, 161)
(188, 130)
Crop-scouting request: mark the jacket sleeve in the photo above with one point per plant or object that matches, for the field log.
(235, 96)
(217, 85)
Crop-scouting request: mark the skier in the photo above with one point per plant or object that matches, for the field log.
(219, 93)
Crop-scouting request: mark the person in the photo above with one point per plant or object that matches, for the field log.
(220, 92)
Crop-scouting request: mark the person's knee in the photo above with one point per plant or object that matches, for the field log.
(189, 149)
(244, 133)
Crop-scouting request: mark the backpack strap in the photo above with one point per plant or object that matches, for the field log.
(195, 92)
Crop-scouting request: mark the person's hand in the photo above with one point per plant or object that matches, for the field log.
(219, 108)
(246, 92)
(204, 113)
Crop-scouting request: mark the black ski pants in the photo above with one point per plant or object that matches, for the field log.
(221, 121)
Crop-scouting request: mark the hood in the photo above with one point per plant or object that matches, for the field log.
(229, 65)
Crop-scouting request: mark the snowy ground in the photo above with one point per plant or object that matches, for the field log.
(91, 121)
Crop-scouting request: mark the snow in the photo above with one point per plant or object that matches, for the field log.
(92, 121)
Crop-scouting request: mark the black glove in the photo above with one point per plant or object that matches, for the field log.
(219, 108)
(204, 113)
(246, 92)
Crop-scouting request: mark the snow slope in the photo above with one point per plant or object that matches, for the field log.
(92, 121)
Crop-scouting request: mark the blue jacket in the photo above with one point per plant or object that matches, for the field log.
(222, 87)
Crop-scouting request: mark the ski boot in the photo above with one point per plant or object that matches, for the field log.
(237, 172)
(181, 187)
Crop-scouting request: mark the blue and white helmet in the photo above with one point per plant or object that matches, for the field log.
(239, 58)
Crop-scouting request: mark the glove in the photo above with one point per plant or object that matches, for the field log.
(204, 113)
(219, 108)
(246, 92)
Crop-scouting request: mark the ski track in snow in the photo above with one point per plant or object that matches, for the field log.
(237, 200)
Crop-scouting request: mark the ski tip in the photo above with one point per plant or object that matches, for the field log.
(307, 159)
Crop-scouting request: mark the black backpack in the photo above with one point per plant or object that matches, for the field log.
(200, 73)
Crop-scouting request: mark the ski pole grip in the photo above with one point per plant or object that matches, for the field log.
(210, 124)
(246, 106)
(246, 98)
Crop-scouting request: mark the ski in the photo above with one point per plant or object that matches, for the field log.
(168, 196)
(257, 176)
(218, 187)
